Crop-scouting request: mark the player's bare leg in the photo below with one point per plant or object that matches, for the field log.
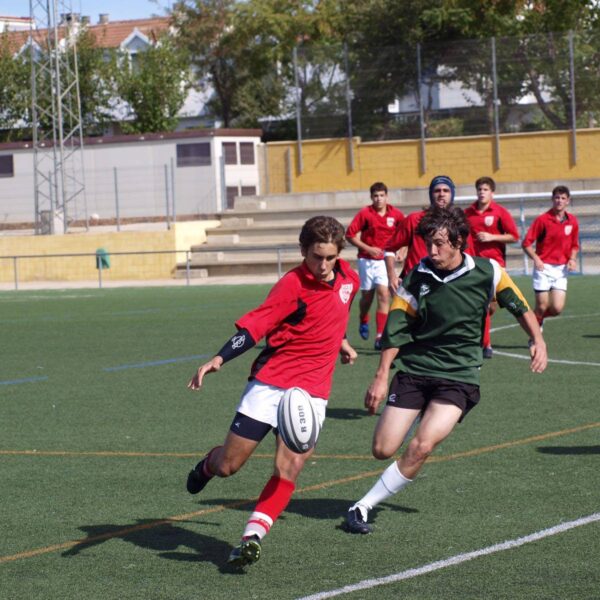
(222, 461)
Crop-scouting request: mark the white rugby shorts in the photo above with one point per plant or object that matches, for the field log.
(553, 277)
(260, 402)
(372, 273)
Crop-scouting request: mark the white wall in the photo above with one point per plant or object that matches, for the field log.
(142, 186)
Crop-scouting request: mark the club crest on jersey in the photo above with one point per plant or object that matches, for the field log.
(489, 220)
(425, 289)
(345, 292)
(568, 229)
(391, 221)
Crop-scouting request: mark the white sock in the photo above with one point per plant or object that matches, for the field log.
(390, 483)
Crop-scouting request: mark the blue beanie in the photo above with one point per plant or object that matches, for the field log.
(442, 179)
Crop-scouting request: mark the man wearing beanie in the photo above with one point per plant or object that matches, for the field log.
(441, 195)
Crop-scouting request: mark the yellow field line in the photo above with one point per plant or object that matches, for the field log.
(221, 507)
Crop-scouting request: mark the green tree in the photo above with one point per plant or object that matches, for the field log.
(96, 70)
(153, 84)
(15, 97)
(242, 52)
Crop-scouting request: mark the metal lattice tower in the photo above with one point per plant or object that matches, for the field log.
(59, 181)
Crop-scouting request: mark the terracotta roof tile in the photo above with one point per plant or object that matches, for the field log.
(108, 35)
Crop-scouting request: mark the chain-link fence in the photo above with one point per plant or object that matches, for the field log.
(472, 87)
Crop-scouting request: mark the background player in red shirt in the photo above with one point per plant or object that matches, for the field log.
(304, 320)
(492, 227)
(370, 231)
(556, 237)
(441, 195)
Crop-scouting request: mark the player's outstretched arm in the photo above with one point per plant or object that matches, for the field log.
(211, 366)
(347, 353)
(537, 345)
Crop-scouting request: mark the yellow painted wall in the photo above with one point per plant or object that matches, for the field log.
(523, 157)
(181, 236)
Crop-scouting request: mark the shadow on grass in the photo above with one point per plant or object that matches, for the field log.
(326, 509)
(172, 542)
(569, 450)
(347, 414)
(164, 538)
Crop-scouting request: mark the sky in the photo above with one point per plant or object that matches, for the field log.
(117, 9)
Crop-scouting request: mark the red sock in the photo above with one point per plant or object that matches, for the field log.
(271, 503)
(365, 318)
(380, 319)
(487, 340)
(540, 320)
(547, 313)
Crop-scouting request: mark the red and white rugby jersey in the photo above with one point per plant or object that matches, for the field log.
(304, 322)
(554, 240)
(495, 219)
(375, 229)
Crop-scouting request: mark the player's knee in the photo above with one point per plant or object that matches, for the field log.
(227, 468)
(420, 450)
(382, 451)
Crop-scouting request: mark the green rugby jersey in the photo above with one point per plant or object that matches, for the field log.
(438, 323)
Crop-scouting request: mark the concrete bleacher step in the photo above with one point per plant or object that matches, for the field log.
(260, 234)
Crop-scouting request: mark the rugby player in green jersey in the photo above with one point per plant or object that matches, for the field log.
(433, 334)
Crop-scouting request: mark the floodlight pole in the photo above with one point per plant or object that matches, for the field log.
(56, 117)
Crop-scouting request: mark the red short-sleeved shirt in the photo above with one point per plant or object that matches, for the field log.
(494, 219)
(375, 229)
(304, 321)
(554, 240)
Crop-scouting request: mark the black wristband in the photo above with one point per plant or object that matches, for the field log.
(236, 345)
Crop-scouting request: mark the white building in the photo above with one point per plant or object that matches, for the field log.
(186, 173)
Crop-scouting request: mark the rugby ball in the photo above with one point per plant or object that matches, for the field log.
(297, 420)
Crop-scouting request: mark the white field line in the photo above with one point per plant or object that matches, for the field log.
(550, 360)
(455, 560)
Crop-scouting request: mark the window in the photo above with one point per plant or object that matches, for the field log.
(246, 153)
(193, 155)
(248, 190)
(232, 192)
(230, 153)
(7, 166)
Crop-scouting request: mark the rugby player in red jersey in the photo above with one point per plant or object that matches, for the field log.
(441, 195)
(370, 231)
(492, 227)
(303, 320)
(556, 237)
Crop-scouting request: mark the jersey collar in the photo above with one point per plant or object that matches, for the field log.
(468, 264)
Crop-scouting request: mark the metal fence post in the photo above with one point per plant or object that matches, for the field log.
(99, 264)
(167, 195)
(117, 211)
(16, 272)
(496, 116)
(288, 170)
(423, 154)
(187, 267)
(173, 204)
(279, 263)
(523, 233)
(298, 111)
(573, 104)
(349, 109)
